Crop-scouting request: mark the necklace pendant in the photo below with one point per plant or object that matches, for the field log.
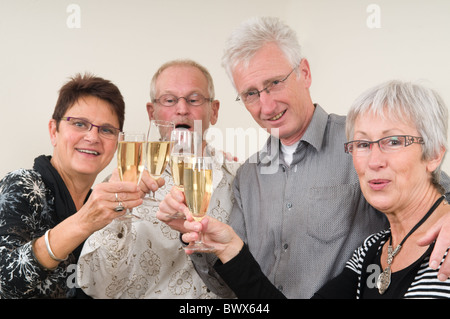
(384, 280)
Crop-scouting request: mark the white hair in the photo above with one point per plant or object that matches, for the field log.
(182, 62)
(252, 35)
(406, 101)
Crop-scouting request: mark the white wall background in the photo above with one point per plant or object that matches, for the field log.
(350, 46)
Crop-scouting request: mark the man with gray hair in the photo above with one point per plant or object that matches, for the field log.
(298, 205)
(144, 258)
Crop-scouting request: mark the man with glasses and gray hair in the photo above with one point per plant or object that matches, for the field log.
(144, 258)
(298, 205)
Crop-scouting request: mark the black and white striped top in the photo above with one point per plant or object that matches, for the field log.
(415, 281)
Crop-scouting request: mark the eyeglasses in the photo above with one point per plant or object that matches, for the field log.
(253, 96)
(389, 144)
(82, 125)
(194, 99)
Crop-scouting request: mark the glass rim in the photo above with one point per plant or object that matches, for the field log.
(130, 134)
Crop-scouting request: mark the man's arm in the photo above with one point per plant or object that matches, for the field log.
(441, 233)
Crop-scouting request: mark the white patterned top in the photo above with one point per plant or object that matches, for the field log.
(144, 258)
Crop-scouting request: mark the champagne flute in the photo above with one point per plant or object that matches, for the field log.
(158, 149)
(198, 189)
(130, 159)
(183, 149)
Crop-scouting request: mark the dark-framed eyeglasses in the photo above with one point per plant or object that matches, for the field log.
(83, 125)
(252, 96)
(194, 99)
(389, 144)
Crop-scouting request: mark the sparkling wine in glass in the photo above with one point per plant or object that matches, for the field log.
(130, 159)
(182, 150)
(159, 147)
(198, 190)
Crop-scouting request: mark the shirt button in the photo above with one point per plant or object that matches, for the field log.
(286, 246)
(289, 205)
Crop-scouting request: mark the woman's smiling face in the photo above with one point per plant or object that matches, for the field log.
(390, 181)
(85, 153)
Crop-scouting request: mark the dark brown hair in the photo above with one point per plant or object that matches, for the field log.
(89, 85)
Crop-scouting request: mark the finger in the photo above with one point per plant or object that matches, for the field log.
(205, 222)
(170, 205)
(119, 207)
(190, 237)
(444, 271)
(147, 183)
(161, 182)
(193, 226)
(188, 215)
(124, 196)
(429, 236)
(442, 237)
(164, 217)
(116, 187)
(130, 204)
(439, 250)
(177, 194)
(168, 218)
(175, 224)
(106, 195)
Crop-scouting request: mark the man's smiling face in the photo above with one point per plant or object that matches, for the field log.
(289, 110)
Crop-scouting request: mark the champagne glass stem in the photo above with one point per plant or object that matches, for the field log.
(199, 241)
(129, 214)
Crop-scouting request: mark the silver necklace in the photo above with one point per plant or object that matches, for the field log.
(384, 279)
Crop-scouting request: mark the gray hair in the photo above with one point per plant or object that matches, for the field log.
(406, 101)
(252, 35)
(182, 62)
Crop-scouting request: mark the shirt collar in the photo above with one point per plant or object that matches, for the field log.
(315, 132)
(313, 135)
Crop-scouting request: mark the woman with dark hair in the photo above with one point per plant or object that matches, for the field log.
(47, 212)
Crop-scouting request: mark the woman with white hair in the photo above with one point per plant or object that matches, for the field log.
(398, 139)
(399, 178)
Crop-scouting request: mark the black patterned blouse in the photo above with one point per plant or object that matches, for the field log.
(27, 210)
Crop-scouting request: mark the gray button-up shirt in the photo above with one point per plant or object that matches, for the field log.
(302, 222)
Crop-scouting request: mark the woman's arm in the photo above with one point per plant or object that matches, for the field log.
(24, 216)
(245, 277)
(236, 265)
